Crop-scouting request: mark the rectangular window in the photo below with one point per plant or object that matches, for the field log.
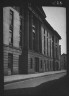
(50, 65)
(20, 43)
(31, 63)
(40, 39)
(45, 64)
(52, 38)
(47, 33)
(56, 40)
(44, 44)
(47, 46)
(41, 63)
(44, 31)
(11, 20)
(36, 64)
(10, 61)
(34, 31)
(50, 48)
(11, 28)
(56, 53)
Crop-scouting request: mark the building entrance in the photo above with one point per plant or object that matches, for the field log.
(36, 64)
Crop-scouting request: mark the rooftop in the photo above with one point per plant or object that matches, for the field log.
(51, 28)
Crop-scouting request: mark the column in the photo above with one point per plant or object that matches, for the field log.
(51, 49)
(40, 42)
(26, 30)
(37, 35)
(47, 46)
(30, 31)
(42, 34)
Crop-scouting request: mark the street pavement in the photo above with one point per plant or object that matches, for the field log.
(33, 82)
(57, 87)
(27, 76)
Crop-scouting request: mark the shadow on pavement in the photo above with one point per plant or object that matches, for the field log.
(52, 88)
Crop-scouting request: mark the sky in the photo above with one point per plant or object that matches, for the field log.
(56, 17)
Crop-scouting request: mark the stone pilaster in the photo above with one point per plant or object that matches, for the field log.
(30, 31)
(37, 36)
(26, 29)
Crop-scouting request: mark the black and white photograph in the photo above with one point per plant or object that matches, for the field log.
(35, 49)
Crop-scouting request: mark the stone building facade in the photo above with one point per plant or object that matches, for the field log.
(11, 39)
(64, 61)
(30, 44)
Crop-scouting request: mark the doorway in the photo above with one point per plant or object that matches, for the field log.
(36, 64)
(20, 64)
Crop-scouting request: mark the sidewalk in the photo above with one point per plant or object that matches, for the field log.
(57, 87)
(12, 78)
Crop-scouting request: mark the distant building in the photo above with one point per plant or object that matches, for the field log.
(64, 61)
(60, 57)
(30, 44)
